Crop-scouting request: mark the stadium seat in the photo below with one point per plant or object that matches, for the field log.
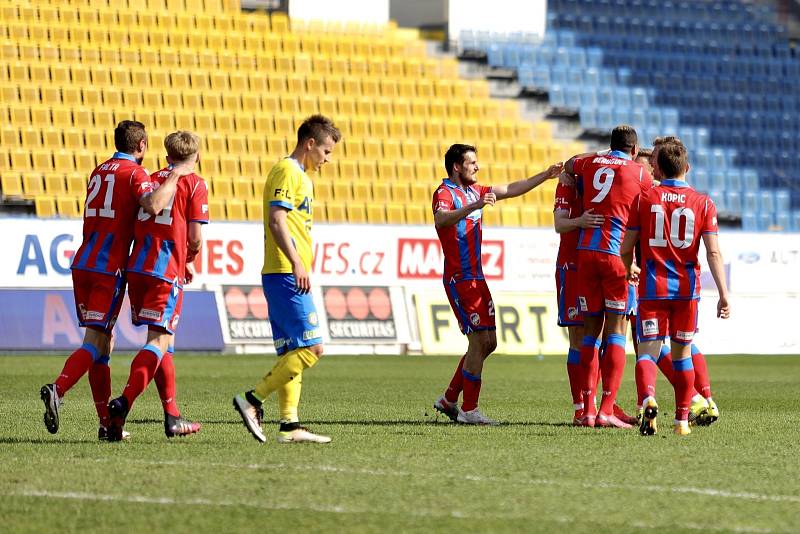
(69, 207)
(235, 209)
(216, 209)
(395, 214)
(336, 212)
(45, 206)
(356, 212)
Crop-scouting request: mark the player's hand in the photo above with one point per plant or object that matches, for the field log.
(633, 274)
(589, 219)
(723, 308)
(487, 199)
(555, 170)
(301, 279)
(567, 179)
(188, 273)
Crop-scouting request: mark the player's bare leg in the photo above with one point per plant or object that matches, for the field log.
(481, 344)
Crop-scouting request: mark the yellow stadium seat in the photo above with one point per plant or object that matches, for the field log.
(42, 161)
(400, 192)
(228, 166)
(509, 215)
(372, 148)
(323, 189)
(20, 159)
(250, 166)
(54, 184)
(209, 167)
(336, 211)
(421, 192)
(395, 214)
(529, 216)
(235, 209)
(45, 206)
(491, 216)
(11, 184)
(424, 171)
(502, 152)
(342, 191)
(69, 206)
(362, 191)
(319, 211)
(381, 192)
(376, 213)
(255, 210)
(356, 212)
(367, 170)
(242, 189)
(415, 214)
(32, 184)
(276, 146)
(434, 129)
(405, 170)
(10, 137)
(216, 209)
(498, 172)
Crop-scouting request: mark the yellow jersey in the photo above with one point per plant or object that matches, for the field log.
(288, 186)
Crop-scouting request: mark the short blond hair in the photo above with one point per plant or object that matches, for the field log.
(181, 145)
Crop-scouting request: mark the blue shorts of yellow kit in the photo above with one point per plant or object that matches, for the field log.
(292, 314)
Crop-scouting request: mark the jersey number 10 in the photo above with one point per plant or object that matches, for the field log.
(659, 238)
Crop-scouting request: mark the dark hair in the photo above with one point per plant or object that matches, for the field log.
(672, 159)
(455, 154)
(624, 138)
(128, 135)
(318, 126)
(645, 153)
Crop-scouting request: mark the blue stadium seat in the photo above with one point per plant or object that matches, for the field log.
(750, 201)
(572, 97)
(750, 179)
(557, 97)
(766, 201)
(765, 221)
(698, 178)
(733, 201)
(795, 221)
(718, 196)
(588, 117)
(783, 220)
(783, 200)
(733, 177)
(749, 221)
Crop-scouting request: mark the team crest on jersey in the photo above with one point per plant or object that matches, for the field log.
(175, 321)
(312, 319)
(684, 336)
(474, 318)
(650, 327)
(572, 312)
(582, 303)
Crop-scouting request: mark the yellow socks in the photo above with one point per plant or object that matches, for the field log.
(289, 366)
(289, 400)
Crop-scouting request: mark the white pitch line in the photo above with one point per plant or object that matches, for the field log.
(143, 499)
(709, 492)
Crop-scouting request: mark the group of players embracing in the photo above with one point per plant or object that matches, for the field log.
(629, 251)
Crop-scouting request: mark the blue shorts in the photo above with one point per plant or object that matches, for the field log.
(292, 315)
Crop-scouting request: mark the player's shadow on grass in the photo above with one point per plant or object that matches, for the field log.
(398, 422)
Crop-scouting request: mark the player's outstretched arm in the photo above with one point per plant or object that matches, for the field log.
(626, 253)
(717, 267)
(444, 218)
(521, 187)
(280, 231)
(588, 219)
(156, 201)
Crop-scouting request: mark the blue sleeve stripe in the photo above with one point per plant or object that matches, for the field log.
(281, 204)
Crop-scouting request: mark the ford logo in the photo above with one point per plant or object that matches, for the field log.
(749, 257)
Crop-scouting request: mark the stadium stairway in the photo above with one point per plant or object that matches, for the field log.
(721, 76)
(244, 81)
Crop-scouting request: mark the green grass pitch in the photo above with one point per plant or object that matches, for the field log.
(391, 468)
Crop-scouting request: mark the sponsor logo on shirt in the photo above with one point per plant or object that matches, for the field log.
(582, 303)
(282, 193)
(616, 304)
(684, 336)
(204, 208)
(153, 315)
(650, 327)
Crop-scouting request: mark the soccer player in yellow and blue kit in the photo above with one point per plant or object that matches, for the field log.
(288, 200)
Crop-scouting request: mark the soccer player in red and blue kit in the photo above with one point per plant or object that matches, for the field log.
(457, 209)
(669, 221)
(608, 183)
(163, 243)
(115, 190)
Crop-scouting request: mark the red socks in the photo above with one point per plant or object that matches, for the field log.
(612, 368)
(684, 380)
(456, 384)
(143, 368)
(472, 390)
(574, 372)
(646, 372)
(702, 383)
(100, 382)
(165, 382)
(589, 366)
(77, 364)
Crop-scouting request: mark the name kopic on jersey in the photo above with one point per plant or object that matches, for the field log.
(673, 197)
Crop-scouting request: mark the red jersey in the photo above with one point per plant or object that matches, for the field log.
(671, 219)
(608, 184)
(112, 198)
(160, 242)
(567, 198)
(461, 242)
